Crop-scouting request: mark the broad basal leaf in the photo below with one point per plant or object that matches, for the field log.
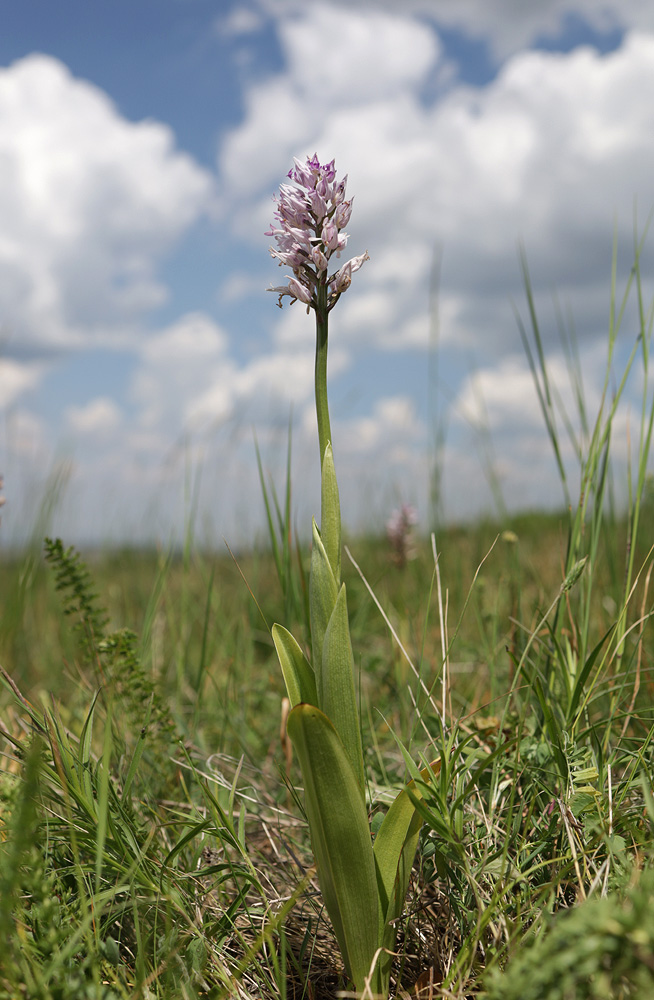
(323, 592)
(341, 842)
(395, 846)
(298, 674)
(339, 701)
(330, 517)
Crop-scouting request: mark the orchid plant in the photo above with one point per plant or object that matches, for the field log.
(363, 882)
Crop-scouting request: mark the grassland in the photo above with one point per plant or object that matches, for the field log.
(152, 836)
(153, 839)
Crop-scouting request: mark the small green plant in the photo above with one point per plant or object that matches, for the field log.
(600, 949)
(363, 883)
(112, 655)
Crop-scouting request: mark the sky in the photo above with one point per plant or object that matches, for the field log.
(141, 356)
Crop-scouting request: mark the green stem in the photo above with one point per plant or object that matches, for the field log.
(322, 406)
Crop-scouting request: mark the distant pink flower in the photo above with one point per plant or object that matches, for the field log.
(310, 217)
(399, 531)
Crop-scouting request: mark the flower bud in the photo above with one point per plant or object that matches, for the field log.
(342, 214)
(330, 234)
(319, 259)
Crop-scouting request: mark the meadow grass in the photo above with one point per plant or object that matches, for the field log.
(153, 845)
(152, 838)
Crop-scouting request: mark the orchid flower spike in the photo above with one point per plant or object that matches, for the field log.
(310, 218)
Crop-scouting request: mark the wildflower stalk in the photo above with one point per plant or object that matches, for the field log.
(363, 884)
(322, 405)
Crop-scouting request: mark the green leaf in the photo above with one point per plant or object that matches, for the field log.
(580, 682)
(84, 753)
(554, 731)
(138, 753)
(63, 757)
(271, 524)
(395, 846)
(341, 842)
(339, 701)
(323, 592)
(298, 673)
(330, 518)
(86, 736)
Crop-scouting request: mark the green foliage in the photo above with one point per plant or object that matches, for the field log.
(363, 887)
(113, 656)
(73, 581)
(134, 690)
(602, 949)
(151, 845)
(45, 932)
(513, 828)
(287, 558)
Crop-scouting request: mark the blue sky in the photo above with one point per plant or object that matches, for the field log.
(140, 145)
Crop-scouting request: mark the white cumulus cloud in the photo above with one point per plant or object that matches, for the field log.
(16, 378)
(552, 152)
(506, 25)
(98, 417)
(88, 201)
